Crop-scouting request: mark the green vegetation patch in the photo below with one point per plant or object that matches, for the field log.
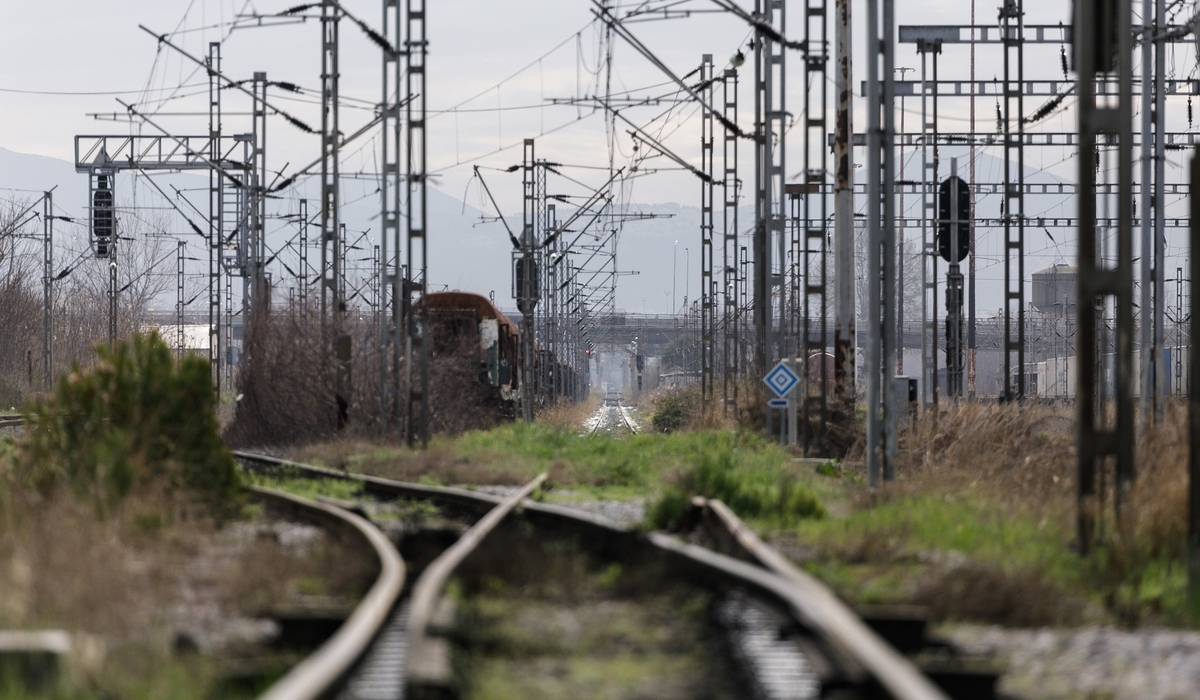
(340, 489)
(136, 421)
(591, 466)
(760, 492)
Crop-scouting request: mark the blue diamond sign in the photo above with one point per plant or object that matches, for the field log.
(781, 380)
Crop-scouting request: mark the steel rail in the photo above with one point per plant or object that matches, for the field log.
(827, 613)
(319, 674)
(859, 656)
(424, 664)
(626, 421)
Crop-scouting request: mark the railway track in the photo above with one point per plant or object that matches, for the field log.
(11, 421)
(787, 635)
(622, 415)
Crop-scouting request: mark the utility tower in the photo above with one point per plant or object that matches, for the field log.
(731, 336)
(333, 306)
(770, 98)
(845, 339)
(881, 243)
(708, 309)
(810, 235)
(525, 277)
(1104, 44)
(48, 291)
(391, 322)
(415, 320)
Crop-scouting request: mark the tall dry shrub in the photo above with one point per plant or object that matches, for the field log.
(1022, 452)
(20, 306)
(286, 384)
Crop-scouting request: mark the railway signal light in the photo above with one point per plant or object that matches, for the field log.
(102, 217)
(525, 268)
(954, 187)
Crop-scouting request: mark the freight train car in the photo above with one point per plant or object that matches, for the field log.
(463, 320)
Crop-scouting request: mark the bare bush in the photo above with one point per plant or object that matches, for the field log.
(79, 300)
(287, 385)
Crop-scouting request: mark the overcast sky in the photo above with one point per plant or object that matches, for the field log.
(501, 53)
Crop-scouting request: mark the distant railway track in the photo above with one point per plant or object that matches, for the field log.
(619, 410)
(11, 421)
(625, 419)
(784, 604)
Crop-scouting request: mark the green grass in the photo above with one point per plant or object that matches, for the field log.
(761, 492)
(589, 466)
(340, 489)
(913, 547)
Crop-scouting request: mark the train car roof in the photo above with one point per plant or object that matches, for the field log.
(469, 301)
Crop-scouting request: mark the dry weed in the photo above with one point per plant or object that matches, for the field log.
(983, 593)
(437, 463)
(1017, 454)
(567, 415)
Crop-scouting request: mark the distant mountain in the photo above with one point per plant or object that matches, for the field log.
(466, 253)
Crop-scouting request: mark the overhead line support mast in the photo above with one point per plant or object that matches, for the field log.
(332, 305)
(416, 320)
(390, 268)
(1105, 46)
(810, 240)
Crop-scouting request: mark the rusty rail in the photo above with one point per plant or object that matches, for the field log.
(428, 660)
(828, 615)
(850, 644)
(319, 674)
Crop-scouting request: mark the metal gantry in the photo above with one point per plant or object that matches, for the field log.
(525, 278)
(180, 301)
(216, 185)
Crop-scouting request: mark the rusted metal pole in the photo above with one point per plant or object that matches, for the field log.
(845, 341)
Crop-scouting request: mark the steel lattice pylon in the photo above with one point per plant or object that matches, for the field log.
(730, 307)
(417, 347)
(1012, 21)
(812, 257)
(1105, 45)
(707, 190)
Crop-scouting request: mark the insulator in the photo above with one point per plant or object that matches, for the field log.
(1063, 55)
(1189, 111)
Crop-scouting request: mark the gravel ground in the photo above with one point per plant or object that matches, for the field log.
(623, 513)
(1094, 662)
(203, 617)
